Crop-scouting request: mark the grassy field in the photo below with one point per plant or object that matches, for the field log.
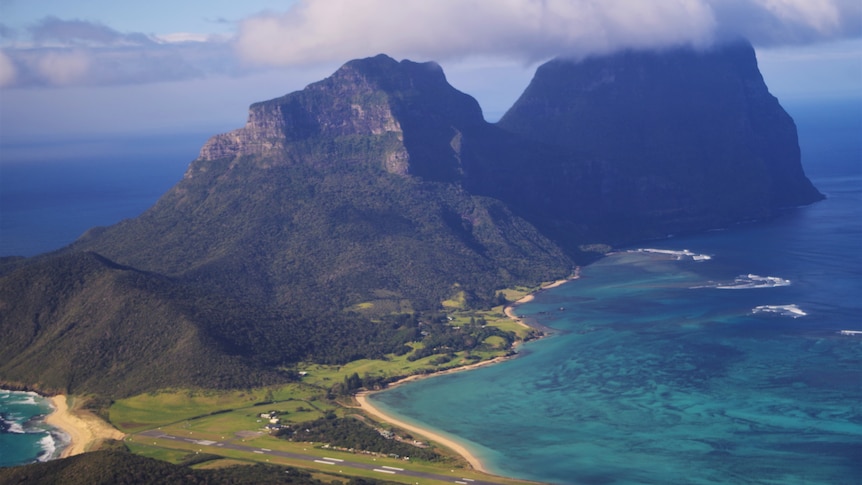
(236, 415)
(177, 451)
(151, 410)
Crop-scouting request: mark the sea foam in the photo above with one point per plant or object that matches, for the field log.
(784, 310)
(49, 448)
(749, 281)
(8, 425)
(743, 282)
(673, 253)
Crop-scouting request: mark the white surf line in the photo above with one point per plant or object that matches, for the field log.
(391, 472)
(393, 468)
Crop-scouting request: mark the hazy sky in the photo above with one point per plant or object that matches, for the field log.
(89, 67)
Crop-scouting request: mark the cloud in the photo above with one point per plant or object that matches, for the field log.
(530, 30)
(774, 23)
(80, 32)
(76, 52)
(8, 72)
(64, 68)
(62, 52)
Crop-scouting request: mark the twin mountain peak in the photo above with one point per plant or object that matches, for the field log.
(629, 146)
(382, 190)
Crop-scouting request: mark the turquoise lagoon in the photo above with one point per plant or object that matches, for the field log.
(670, 369)
(674, 368)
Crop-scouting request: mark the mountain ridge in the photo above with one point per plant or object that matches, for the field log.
(315, 231)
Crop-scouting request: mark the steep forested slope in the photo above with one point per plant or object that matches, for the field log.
(315, 231)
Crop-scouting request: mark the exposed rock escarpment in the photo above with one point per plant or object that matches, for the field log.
(381, 191)
(668, 141)
(410, 102)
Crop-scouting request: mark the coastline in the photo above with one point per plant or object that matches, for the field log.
(362, 399)
(475, 463)
(509, 310)
(84, 430)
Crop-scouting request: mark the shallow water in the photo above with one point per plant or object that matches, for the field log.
(24, 438)
(661, 374)
(667, 368)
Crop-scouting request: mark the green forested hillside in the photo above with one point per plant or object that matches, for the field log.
(315, 240)
(80, 323)
(120, 467)
(323, 228)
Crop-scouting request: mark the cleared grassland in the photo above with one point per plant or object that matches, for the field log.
(150, 410)
(235, 416)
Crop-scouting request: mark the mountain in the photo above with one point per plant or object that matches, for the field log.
(341, 194)
(315, 231)
(80, 323)
(669, 141)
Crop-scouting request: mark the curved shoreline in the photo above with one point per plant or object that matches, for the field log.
(83, 429)
(475, 463)
(362, 399)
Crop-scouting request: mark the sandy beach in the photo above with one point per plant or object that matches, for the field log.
(510, 309)
(85, 430)
(362, 397)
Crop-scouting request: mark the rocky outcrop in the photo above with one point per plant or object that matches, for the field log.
(381, 190)
(411, 105)
(263, 133)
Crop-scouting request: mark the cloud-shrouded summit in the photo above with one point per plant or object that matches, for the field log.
(56, 51)
(531, 30)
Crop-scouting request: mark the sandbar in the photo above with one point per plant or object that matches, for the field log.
(85, 430)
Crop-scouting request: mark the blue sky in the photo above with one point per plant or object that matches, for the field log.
(93, 67)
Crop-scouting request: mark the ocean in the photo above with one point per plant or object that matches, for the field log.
(664, 367)
(24, 438)
(709, 358)
(52, 192)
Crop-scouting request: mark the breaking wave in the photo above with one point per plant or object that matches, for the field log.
(792, 311)
(677, 254)
(745, 282)
(9, 426)
(49, 448)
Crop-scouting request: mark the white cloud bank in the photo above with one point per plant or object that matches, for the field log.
(8, 72)
(530, 30)
(62, 52)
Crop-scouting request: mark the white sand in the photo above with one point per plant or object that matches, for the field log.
(85, 429)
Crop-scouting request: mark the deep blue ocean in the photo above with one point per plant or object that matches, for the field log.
(52, 192)
(664, 368)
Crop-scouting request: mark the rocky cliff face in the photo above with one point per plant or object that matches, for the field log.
(381, 190)
(667, 141)
(342, 186)
(409, 103)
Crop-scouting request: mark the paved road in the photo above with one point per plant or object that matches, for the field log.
(383, 470)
